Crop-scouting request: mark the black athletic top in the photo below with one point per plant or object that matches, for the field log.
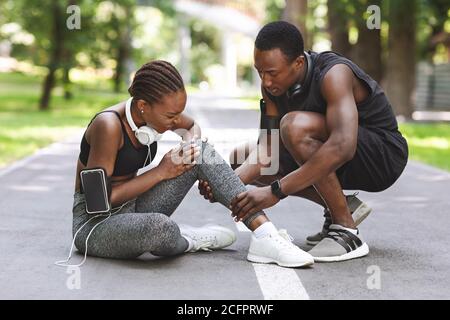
(375, 113)
(129, 158)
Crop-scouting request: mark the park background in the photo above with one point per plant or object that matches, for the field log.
(53, 78)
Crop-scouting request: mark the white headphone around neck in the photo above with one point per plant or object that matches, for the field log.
(145, 134)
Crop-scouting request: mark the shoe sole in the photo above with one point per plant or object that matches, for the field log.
(358, 253)
(360, 214)
(264, 260)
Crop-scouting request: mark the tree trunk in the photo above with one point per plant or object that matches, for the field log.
(402, 55)
(338, 28)
(55, 56)
(367, 53)
(123, 51)
(296, 12)
(67, 83)
(120, 66)
(67, 65)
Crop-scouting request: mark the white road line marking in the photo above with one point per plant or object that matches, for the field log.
(278, 283)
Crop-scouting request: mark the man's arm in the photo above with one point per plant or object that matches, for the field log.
(342, 125)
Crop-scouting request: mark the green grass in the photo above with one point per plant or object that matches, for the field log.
(428, 143)
(24, 129)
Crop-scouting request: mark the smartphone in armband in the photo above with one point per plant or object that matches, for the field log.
(96, 189)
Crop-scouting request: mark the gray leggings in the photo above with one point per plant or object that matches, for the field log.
(143, 225)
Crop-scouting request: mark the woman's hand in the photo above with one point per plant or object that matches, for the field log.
(179, 160)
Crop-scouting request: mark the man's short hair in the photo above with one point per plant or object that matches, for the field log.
(281, 35)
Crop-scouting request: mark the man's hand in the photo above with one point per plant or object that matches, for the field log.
(251, 202)
(205, 190)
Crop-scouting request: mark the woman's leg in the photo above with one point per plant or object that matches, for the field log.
(166, 196)
(128, 235)
(224, 182)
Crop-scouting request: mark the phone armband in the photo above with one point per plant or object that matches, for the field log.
(96, 187)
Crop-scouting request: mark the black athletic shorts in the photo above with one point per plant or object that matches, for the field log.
(380, 158)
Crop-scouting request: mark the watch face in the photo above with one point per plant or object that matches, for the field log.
(275, 186)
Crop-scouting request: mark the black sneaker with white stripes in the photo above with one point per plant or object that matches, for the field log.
(340, 244)
(358, 209)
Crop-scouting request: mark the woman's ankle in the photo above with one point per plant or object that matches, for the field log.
(259, 221)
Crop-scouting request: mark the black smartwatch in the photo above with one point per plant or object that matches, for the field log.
(276, 190)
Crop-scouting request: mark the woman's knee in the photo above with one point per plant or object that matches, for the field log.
(168, 240)
(151, 223)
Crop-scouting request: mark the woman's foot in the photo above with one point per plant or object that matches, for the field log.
(208, 237)
(278, 248)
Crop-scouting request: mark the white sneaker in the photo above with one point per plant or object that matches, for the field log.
(279, 249)
(208, 237)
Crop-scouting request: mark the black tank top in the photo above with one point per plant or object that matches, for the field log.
(375, 113)
(129, 158)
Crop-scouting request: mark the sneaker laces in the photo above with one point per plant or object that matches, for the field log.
(285, 235)
(286, 239)
(204, 243)
(205, 246)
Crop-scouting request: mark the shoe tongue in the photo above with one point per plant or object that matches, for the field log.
(285, 235)
(339, 227)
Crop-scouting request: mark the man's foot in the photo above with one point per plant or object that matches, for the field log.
(340, 244)
(208, 237)
(359, 211)
(279, 249)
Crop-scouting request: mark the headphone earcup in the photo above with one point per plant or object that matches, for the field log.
(294, 91)
(146, 135)
(297, 90)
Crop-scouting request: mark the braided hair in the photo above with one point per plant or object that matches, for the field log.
(154, 80)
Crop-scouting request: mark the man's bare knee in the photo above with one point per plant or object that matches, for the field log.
(297, 127)
(293, 128)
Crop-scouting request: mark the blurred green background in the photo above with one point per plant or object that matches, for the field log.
(53, 78)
